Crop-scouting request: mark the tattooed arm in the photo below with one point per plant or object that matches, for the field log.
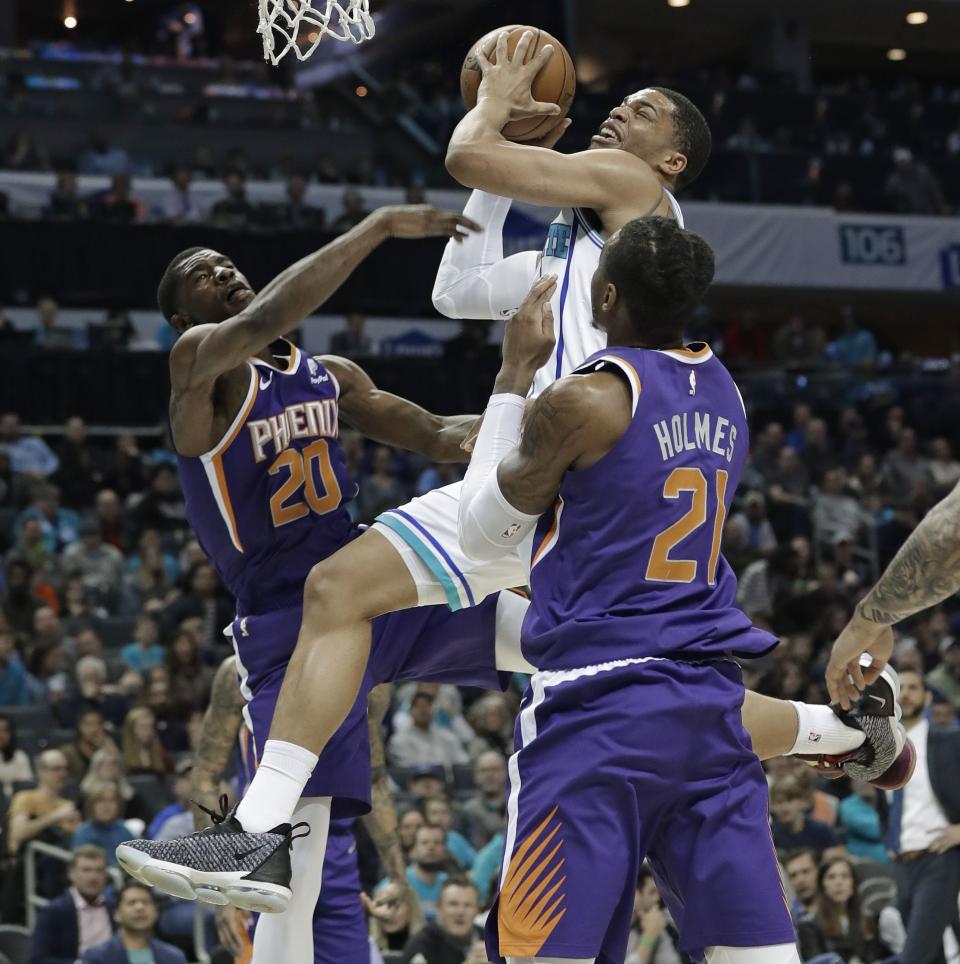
(221, 722)
(381, 822)
(925, 571)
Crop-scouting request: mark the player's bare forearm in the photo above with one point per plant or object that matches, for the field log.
(221, 722)
(207, 351)
(381, 822)
(478, 156)
(392, 420)
(925, 571)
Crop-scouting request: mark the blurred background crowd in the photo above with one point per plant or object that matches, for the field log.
(133, 133)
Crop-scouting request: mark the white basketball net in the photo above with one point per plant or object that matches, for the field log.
(299, 25)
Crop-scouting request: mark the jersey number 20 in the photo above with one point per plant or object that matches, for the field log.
(301, 482)
(663, 568)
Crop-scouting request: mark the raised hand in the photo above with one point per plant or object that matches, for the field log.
(509, 79)
(529, 336)
(846, 678)
(425, 221)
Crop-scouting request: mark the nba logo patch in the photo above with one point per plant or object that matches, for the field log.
(510, 531)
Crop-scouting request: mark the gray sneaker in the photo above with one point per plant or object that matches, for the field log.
(223, 864)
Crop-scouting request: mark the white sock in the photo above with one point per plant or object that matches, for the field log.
(276, 786)
(820, 730)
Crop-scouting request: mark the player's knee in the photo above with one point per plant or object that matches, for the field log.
(331, 589)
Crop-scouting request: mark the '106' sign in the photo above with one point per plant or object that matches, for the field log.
(872, 244)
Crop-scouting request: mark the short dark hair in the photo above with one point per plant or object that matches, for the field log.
(87, 852)
(168, 291)
(136, 885)
(428, 826)
(791, 855)
(693, 135)
(457, 881)
(662, 272)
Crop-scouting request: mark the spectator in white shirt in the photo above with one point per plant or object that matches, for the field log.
(179, 204)
(424, 743)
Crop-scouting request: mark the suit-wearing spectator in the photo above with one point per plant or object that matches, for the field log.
(79, 919)
(924, 828)
(134, 943)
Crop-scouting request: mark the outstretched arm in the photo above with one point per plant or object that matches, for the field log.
(925, 571)
(221, 723)
(393, 420)
(381, 822)
(207, 351)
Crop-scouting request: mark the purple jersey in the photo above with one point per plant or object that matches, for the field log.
(628, 563)
(268, 502)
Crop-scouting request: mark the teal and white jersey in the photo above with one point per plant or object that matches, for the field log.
(572, 253)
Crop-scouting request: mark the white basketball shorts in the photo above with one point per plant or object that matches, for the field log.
(424, 532)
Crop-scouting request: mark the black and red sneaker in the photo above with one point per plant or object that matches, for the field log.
(886, 758)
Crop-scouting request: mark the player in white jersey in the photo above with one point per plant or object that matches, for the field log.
(412, 555)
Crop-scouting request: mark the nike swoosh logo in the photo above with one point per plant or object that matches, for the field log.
(265, 384)
(242, 855)
(879, 699)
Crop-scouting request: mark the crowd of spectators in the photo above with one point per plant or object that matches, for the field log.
(110, 620)
(801, 145)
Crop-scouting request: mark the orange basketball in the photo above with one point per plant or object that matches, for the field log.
(555, 84)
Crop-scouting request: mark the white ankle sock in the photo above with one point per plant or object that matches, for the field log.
(276, 786)
(820, 730)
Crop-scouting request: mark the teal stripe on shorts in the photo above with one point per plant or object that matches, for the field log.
(429, 557)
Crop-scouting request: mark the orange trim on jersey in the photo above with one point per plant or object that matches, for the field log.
(551, 533)
(216, 460)
(522, 593)
(291, 361)
(529, 906)
(631, 372)
(231, 519)
(689, 352)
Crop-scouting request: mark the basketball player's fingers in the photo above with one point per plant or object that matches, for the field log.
(536, 107)
(502, 57)
(520, 51)
(540, 60)
(468, 223)
(483, 61)
(856, 672)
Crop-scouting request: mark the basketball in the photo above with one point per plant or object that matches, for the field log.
(556, 82)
